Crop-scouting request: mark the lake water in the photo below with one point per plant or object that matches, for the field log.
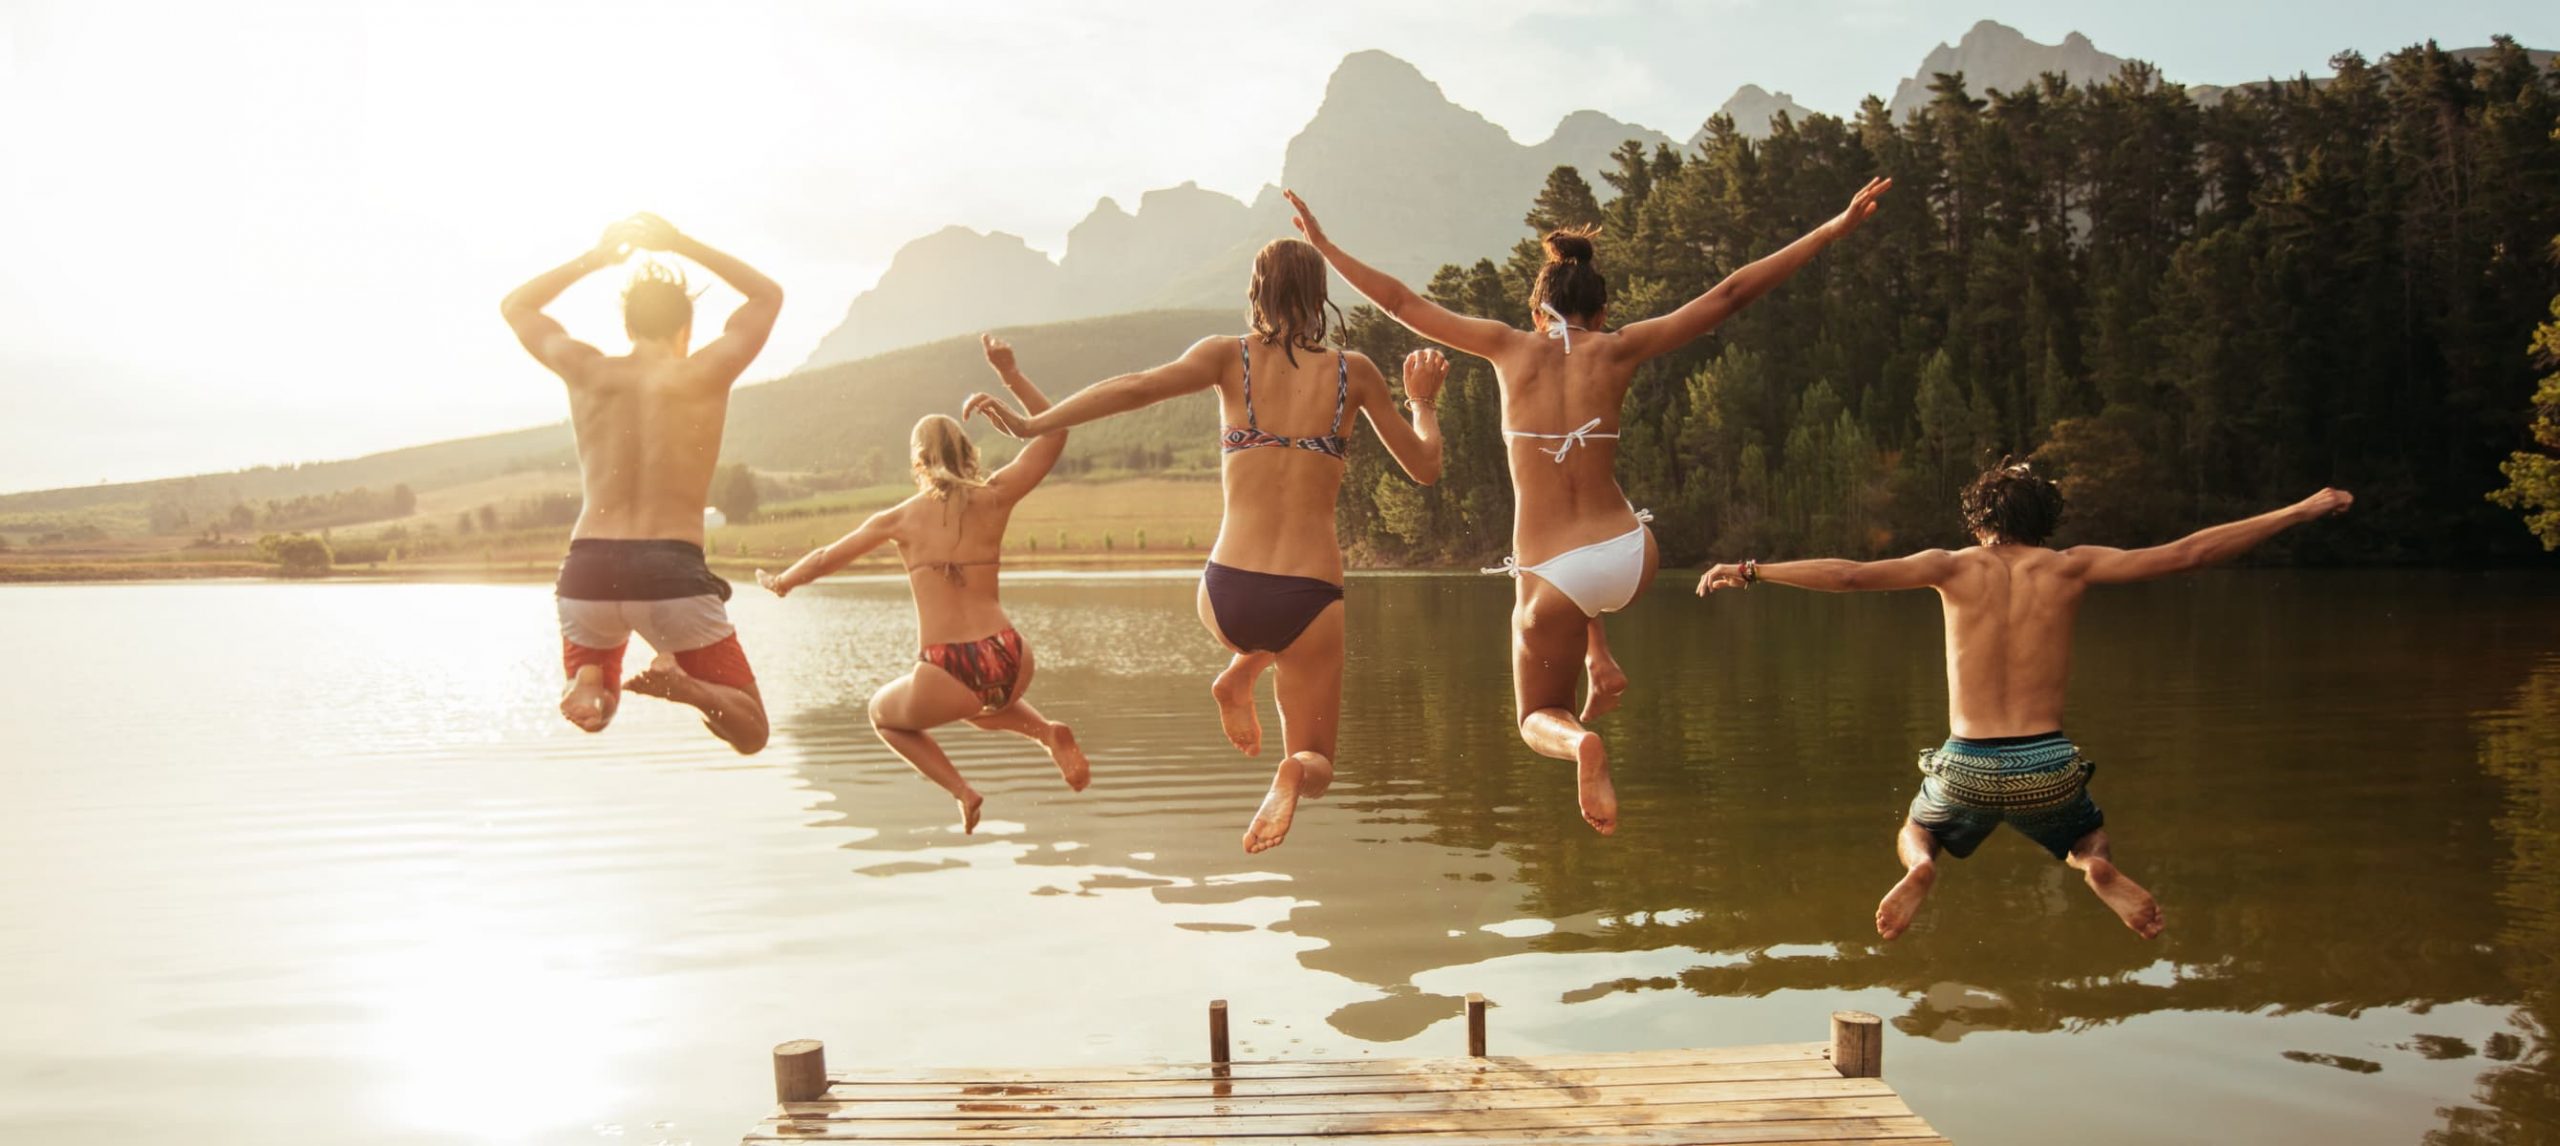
(318, 863)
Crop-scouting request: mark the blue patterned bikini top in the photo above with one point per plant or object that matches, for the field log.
(1251, 435)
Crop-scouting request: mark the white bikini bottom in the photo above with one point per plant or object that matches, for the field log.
(1600, 577)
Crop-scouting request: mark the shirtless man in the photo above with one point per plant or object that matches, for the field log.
(648, 427)
(2010, 603)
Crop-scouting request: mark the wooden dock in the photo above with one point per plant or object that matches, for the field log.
(1826, 1092)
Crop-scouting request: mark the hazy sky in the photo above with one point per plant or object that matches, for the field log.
(240, 233)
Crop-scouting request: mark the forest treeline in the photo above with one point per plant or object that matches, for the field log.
(2186, 313)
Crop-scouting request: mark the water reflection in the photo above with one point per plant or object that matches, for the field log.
(349, 847)
(2519, 1099)
(1767, 755)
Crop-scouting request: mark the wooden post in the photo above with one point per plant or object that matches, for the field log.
(1857, 1044)
(1217, 1030)
(800, 1071)
(1475, 1025)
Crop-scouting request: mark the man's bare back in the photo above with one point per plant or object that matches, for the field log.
(648, 426)
(2010, 606)
(2009, 611)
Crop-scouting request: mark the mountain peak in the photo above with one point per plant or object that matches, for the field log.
(1996, 57)
(1373, 74)
(1984, 32)
(1595, 132)
(1752, 107)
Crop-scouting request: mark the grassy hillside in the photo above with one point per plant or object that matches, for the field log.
(829, 418)
(1176, 518)
(839, 418)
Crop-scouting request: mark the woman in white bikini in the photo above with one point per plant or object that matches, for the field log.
(970, 665)
(1578, 548)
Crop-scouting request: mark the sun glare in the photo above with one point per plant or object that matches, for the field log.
(490, 1032)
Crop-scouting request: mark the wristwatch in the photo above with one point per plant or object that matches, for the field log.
(1750, 571)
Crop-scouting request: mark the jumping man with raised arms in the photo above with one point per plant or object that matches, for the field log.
(648, 428)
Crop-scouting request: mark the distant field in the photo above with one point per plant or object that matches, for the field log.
(1121, 524)
(1071, 521)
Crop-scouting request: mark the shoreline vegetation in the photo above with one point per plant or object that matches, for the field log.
(738, 571)
(1102, 525)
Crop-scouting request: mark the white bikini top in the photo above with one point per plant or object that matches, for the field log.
(1557, 327)
(1579, 436)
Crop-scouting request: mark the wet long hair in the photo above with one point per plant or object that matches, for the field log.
(2012, 503)
(656, 304)
(1569, 282)
(944, 458)
(1287, 303)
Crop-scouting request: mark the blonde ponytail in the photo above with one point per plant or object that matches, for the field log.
(945, 460)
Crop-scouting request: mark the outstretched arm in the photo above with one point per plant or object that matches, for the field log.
(541, 334)
(748, 326)
(1416, 447)
(2101, 565)
(1482, 337)
(1654, 337)
(1832, 575)
(871, 534)
(1198, 369)
(1033, 463)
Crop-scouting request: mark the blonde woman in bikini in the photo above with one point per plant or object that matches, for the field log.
(1272, 591)
(972, 665)
(1579, 549)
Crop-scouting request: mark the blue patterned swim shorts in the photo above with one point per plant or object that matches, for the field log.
(2036, 784)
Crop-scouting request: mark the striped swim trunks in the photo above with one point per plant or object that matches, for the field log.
(2037, 784)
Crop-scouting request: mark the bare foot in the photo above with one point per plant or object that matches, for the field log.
(1233, 690)
(1271, 824)
(587, 702)
(1072, 766)
(2132, 904)
(1591, 782)
(1893, 916)
(666, 680)
(1608, 683)
(969, 805)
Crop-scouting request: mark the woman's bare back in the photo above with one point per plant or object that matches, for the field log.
(1280, 500)
(952, 548)
(1564, 480)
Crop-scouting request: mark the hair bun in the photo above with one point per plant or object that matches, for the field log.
(1569, 246)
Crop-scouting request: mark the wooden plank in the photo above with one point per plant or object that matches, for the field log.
(1209, 1085)
(1241, 1122)
(1424, 1101)
(1902, 1131)
(1655, 1136)
(1658, 1136)
(1323, 1068)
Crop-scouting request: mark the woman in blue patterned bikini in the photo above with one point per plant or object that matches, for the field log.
(973, 666)
(1272, 591)
(1579, 549)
